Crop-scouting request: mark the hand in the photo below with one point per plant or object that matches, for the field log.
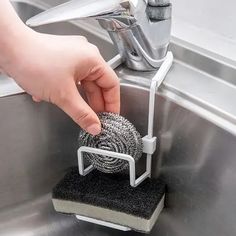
(51, 67)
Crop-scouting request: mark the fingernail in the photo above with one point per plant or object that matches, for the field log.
(94, 129)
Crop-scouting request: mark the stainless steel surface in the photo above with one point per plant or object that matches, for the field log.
(196, 127)
(37, 217)
(130, 24)
(33, 150)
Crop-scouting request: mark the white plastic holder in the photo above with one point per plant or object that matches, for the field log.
(149, 142)
(103, 223)
(132, 169)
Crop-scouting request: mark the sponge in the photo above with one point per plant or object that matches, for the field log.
(110, 198)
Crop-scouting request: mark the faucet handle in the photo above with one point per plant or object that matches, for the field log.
(77, 9)
(159, 12)
(158, 3)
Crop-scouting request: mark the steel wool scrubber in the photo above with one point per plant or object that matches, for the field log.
(118, 135)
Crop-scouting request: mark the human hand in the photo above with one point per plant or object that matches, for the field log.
(50, 68)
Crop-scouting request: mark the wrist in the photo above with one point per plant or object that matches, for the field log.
(11, 46)
(13, 36)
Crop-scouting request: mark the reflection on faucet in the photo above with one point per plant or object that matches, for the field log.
(140, 29)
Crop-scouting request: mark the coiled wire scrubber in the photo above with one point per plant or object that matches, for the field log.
(117, 135)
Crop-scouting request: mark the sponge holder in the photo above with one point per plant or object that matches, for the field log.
(149, 141)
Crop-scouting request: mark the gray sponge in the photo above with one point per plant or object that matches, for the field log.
(110, 198)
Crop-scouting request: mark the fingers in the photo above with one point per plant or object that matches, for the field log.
(106, 79)
(35, 99)
(109, 84)
(94, 95)
(73, 104)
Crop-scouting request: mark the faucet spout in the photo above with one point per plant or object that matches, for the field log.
(74, 10)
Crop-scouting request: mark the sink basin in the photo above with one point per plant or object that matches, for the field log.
(195, 127)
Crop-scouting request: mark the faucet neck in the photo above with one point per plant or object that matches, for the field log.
(142, 36)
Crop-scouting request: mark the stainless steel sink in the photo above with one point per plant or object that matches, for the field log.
(196, 126)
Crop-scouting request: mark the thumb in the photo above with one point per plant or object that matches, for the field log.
(75, 106)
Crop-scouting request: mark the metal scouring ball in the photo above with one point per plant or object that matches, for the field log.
(118, 135)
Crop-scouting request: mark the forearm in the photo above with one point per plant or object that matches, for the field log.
(12, 31)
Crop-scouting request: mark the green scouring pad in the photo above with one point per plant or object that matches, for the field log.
(110, 198)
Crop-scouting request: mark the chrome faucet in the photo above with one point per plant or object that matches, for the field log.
(139, 28)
